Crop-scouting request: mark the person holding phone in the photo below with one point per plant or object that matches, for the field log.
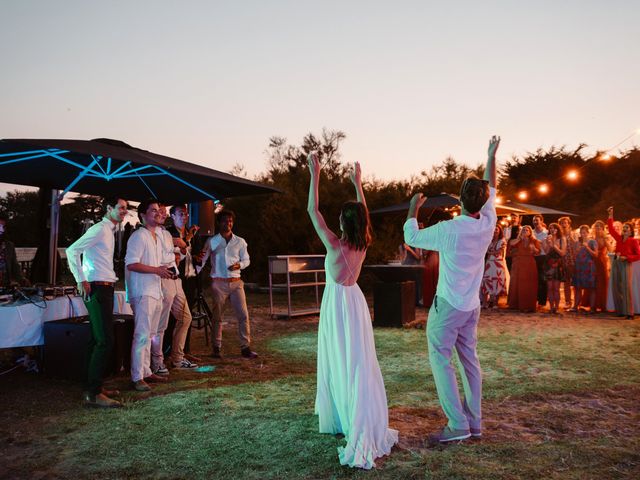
(174, 301)
(144, 274)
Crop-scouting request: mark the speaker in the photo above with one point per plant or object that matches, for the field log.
(66, 345)
(394, 304)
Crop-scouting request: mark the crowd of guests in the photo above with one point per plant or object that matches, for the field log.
(596, 266)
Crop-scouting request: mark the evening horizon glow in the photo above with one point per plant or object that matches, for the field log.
(410, 83)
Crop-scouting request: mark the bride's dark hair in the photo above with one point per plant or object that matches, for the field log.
(356, 227)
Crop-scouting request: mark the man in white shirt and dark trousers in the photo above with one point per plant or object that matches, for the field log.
(174, 302)
(91, 263)
(453, 317)
(144, 291)
(229, 256)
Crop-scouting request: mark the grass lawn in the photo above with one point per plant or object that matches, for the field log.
(562, 400)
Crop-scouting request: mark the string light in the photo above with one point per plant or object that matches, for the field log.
(499, 200)
(573, 174)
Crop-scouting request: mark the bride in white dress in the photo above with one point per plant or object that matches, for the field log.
(350, 399)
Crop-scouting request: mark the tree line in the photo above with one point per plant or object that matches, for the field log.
(278, 224)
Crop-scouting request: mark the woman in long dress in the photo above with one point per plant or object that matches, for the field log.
(495, 280)
(584, 278)
(351, 399)
(602, 265)
(555, 248)
(523, 291)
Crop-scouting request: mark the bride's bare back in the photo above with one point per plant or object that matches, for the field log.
(345, 263)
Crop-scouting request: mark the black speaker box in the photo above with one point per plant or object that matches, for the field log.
(66, 346)
(394, 304)
(65, 349)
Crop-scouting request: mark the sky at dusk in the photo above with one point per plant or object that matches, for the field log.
(409, 82)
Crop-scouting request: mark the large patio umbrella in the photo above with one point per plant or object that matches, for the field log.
(442, 200)
(108, 167)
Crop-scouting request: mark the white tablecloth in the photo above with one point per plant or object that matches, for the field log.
(21, 326)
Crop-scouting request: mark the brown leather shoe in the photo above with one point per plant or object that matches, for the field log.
(110, 393)
(153, 378)
(99, 401)
(141, 386)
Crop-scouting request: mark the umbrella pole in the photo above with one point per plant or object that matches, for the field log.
(54, 221)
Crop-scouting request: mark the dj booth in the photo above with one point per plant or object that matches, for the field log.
(22, 321)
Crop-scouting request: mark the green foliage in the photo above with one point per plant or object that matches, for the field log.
(21, 209)
(279, 224)
(26, 221)
(601, 183)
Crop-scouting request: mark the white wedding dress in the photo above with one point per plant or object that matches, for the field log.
(351, 398)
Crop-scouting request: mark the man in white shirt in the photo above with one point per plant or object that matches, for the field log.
(91, 263)
(229, 256)
(144, 290)
(541, 233)
(454, 314)
(174, 302)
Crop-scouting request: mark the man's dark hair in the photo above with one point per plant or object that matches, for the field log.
(223, 214)
(173, 208)
(111, 201)
(144, 206)
(474, 193)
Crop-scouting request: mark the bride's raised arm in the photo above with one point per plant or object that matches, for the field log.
(329, 239)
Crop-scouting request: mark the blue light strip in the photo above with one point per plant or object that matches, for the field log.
(96, 160)
(121, 167)
(148, 187)
(215, 200)
(123, 171)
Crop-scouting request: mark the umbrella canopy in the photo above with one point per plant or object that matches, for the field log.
(537, 209)
(108, 167)
(442, 200)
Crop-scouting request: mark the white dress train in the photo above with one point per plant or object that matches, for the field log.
(351, 398)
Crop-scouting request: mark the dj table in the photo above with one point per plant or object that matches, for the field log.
(21, 323)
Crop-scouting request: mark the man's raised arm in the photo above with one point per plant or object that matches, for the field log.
(490, 170)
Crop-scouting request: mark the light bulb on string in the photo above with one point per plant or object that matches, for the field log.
(572, 175)
(543, 188)
(523, 195)
(605, 157)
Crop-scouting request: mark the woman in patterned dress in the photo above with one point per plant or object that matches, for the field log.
(555, 247)
(584, 279)
(568, 260)
(495, 280)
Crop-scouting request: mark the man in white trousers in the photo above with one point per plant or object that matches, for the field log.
(453, 318)
(174, 302)
(144, 291)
